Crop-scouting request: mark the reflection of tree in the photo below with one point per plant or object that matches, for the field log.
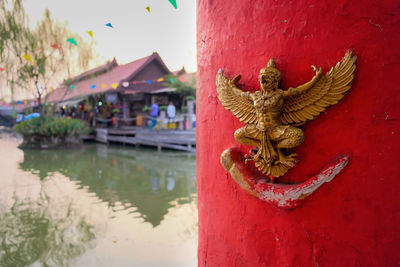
(148, 180)
(29, 234)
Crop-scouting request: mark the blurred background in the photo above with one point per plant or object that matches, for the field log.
(98, 133)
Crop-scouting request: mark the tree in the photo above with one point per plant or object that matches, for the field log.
(52, 58)
(184, 89)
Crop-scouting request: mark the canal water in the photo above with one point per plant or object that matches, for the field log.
(96, 206)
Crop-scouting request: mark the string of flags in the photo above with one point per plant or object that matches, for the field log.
(124, 84)
(56, 46)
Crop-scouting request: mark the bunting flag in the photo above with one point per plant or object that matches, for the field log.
(90, 33)
(148, 9)
(72, 41)
(124, 84)
(109, 25)
(173, 2)
(55, 46)
(28, 58)
(51, 89)
(2, 69)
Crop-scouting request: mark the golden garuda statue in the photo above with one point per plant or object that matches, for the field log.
(271, 113)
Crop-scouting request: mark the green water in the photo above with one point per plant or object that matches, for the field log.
(97, 206)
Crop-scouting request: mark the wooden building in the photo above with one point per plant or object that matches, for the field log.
(130, 87)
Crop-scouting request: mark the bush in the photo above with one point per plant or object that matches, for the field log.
(146, 108)
(50, 130)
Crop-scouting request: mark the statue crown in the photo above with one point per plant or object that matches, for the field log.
(270, 69)
(271, 63)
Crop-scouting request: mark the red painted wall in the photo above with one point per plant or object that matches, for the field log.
(353, 220)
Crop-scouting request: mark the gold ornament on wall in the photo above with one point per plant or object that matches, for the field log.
(272, 114)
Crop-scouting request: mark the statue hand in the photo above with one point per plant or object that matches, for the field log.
(236, 79)
(318, 72)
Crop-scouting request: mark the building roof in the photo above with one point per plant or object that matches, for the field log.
(103, 77)
(179, 72)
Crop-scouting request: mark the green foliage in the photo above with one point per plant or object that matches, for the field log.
(190, 98)
(48, 126)
(163, 107)
(182, 88)
(53, 58)
(146, 109)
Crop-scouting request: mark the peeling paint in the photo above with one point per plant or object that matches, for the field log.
(285, 196)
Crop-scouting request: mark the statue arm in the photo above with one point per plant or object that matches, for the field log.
(239, 92)
(304, 87)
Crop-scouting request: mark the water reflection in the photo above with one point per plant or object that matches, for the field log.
(145, 179)
(98, 206)
(30, 233)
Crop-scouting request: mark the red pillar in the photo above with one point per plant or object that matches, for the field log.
(353, 220)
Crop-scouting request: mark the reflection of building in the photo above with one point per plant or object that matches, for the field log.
(151, 182)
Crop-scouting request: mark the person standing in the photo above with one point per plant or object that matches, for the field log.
(171, 112)
(154, 114)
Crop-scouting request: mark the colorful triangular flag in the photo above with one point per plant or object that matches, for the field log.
(27, 57)
(55, 46)
(90, 33)
(2, 69)
(72, 41)
(109, 25)
(115, 85)
(160, 79)
(148, 9)
(173, 2)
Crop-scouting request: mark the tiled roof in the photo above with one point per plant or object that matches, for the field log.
(117, 74)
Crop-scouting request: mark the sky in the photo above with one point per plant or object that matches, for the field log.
(136, 33)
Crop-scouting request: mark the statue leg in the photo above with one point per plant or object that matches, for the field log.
(292, 137)
(248, 136)
(286, 137)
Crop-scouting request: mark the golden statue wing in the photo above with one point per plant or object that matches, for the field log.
(233, 99)
(327, 91)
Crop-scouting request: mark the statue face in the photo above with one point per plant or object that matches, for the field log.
(268, 82)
